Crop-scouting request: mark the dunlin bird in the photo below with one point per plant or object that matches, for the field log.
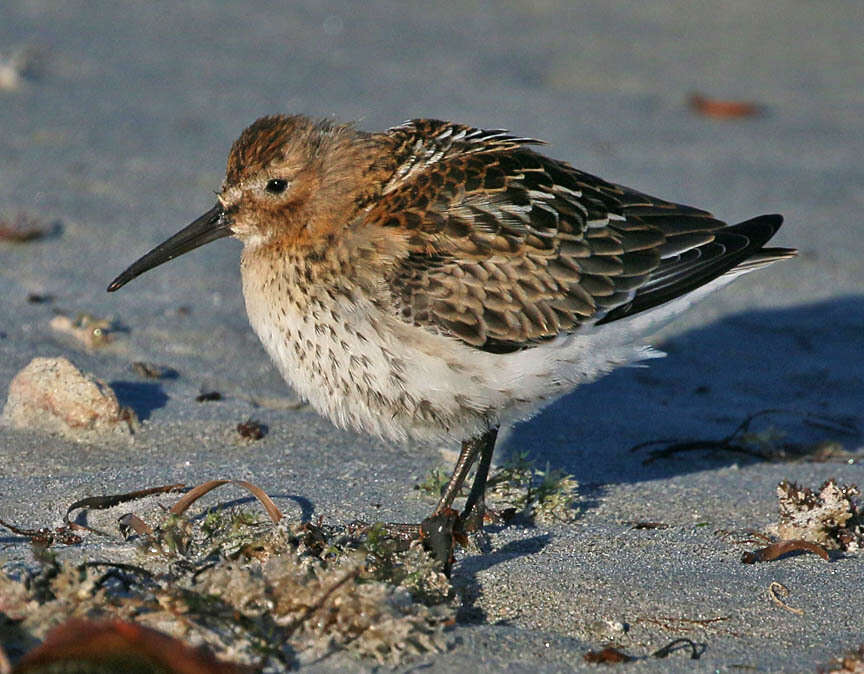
(435, 281)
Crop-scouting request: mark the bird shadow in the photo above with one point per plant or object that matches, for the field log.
(470, 589)
(805, 361)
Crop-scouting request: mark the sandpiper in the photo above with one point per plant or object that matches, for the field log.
(436, 281)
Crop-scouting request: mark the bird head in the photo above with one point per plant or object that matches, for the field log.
(290, 182)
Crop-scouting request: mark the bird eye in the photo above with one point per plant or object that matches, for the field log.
(276, 186)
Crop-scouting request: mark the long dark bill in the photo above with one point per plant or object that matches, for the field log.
(214, 224)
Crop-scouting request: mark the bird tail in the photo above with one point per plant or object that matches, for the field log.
(735, 250)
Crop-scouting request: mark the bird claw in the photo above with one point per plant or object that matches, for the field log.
(479, 515)
(439, 533)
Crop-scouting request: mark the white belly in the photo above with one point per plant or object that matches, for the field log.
(372, 372)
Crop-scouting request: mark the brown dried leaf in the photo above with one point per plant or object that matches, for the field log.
(104, 502)
(188, 499)
(115, 645)
(22, 228)
(608, 656)
(251, 429)
(131, 521)
(777, 550)
(722, 109)
(44, 535)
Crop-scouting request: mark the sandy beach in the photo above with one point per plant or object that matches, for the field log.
(115, 123)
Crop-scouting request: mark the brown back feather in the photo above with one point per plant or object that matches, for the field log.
(509, 248)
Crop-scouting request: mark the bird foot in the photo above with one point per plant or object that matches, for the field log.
(479, 515)
(440, 532)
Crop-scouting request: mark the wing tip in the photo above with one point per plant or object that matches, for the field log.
(749, 255)
(760, 230)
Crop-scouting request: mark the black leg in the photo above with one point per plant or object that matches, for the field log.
(439, 529)
(477, 496)
(443, 518)
(470, 449)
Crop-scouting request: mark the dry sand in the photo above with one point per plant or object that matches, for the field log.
(119, 131)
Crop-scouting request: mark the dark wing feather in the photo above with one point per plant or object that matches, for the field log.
(509, 248)
(679, 274)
